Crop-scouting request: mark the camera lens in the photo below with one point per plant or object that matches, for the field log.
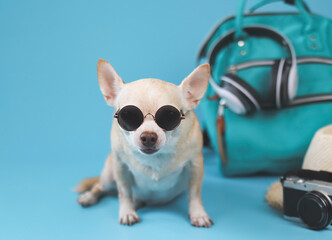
(315, 210)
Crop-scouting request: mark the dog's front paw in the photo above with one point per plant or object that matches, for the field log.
(129, 218)
(201, 220)
(87, 199)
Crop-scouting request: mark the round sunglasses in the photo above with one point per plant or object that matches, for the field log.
(131, 117)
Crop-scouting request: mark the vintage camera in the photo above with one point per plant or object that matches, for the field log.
(308, 196)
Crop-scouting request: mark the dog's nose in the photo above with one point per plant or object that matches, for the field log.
(149, 139)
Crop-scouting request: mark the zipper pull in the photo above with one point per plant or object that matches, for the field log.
(232, 69)
(220, 119)
(221, 127)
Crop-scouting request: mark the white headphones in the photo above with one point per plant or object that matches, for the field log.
(240, 97)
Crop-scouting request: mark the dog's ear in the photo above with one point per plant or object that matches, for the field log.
(194, 86)
(109, 81)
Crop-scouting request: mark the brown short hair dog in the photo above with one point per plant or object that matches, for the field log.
(156, 144)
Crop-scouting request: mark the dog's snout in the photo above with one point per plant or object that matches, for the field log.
(149, 139)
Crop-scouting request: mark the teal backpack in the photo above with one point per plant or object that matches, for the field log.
(270, 87)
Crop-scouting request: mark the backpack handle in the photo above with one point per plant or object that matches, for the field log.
(299, 4)
(290, 2)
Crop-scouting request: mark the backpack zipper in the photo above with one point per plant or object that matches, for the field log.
(262, 63)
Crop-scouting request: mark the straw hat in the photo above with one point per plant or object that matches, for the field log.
(318, 157)
(319, 154)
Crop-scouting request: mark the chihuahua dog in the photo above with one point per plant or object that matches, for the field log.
(156, 144)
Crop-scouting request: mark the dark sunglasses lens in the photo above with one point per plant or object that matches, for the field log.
(168, 117)
(130, 118)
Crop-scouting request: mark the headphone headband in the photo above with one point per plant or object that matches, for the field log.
(258, 31)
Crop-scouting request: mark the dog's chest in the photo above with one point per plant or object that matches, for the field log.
(153, 190)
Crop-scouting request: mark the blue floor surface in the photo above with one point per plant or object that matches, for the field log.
(44, 207)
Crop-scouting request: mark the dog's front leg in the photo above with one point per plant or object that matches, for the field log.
(127, 211)
(197, 214)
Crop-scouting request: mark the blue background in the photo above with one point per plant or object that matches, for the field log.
(55, 124)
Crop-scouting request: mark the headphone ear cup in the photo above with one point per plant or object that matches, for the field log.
(273, 83)
(284, 91)
(235, 100)
(277, 79)
(248, 97)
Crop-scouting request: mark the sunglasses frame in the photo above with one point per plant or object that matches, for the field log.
(116, 115)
